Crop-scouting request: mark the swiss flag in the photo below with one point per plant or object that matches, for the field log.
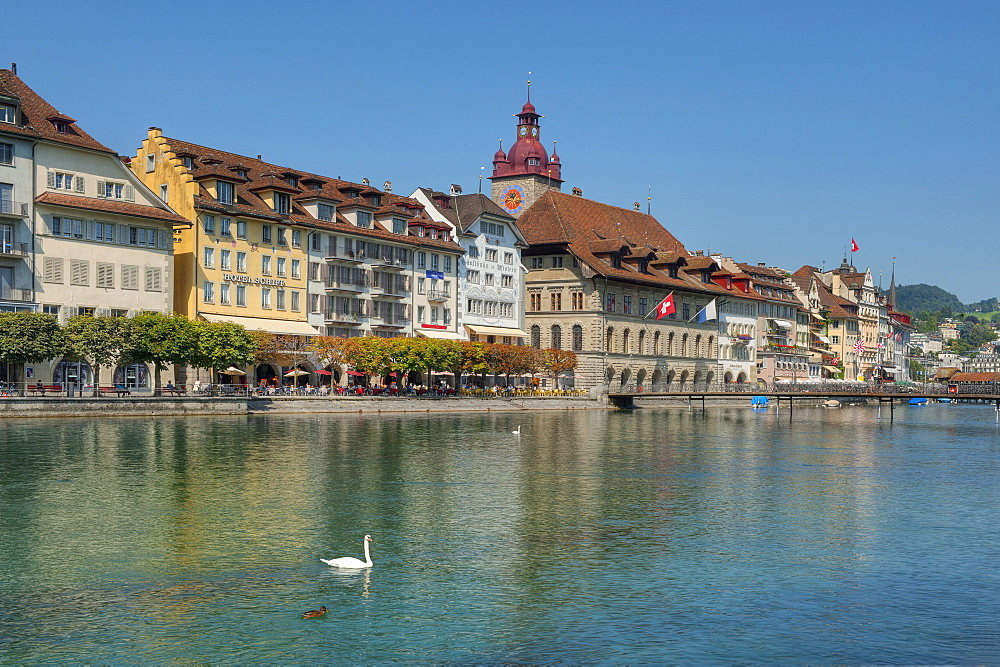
(854, 245)
(666, 307)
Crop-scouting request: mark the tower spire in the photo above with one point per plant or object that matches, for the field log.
(892, 285)
(529, 87)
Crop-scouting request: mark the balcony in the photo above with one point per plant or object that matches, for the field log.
(349, 256)
(342, 318)
(391, 292)
(15, 294)
(353, 286)
(389, 263)
(391, 323)
(438, 295)
(13, 209)
(13, 249)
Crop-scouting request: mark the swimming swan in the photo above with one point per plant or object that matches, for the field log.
(350, 561)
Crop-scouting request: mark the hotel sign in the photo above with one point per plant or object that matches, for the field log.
(236, 278)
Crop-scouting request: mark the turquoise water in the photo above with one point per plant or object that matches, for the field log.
(652, 536)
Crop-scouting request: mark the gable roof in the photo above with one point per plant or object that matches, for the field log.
(463, 210)
(36, 117)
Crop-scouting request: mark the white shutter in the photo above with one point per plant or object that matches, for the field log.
(51, 176)
(129, 193)
(78, 183)
(121, 234)
(102, 189)
(52, 271)
(161, 238)
(88, 233)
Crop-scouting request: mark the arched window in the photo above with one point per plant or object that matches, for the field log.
(609, 339)
(626, 335)
(711, 342)
(656, 342)
(684, 346)
(536, 336)
(577, 338)
(556, 337)
(642, 342)
(697, 346)
(670, 344)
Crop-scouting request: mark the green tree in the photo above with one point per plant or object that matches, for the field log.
(160, 340)
(30, 338)
(100, 341)
(557, 361)
(221, 344)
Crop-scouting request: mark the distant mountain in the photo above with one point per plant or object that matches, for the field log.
(914, 298)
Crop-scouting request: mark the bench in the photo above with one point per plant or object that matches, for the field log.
(42, 389)
(176, 391)
(119, 389)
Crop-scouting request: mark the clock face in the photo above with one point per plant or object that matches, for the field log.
(534, 131)
(523, 131)
(513, 198)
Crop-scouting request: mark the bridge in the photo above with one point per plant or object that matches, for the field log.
(624, 399)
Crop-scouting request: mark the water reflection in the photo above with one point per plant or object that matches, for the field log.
(651, 536)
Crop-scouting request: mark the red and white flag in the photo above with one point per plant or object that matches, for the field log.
(899, 336)
(859, 346)
(854, 245)
(665, 307)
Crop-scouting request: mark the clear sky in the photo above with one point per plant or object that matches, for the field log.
(768, 131)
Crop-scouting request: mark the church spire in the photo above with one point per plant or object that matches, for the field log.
(892, 286)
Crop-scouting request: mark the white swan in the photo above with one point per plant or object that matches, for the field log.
(518, 431)
(350, 561)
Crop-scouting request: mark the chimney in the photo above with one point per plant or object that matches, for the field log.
(258, 156)
(365, 181)
(761, 264)
(387, 186)
(578, 192)
(13, 68)
(455, 190)
(635, 206)
(699, 253)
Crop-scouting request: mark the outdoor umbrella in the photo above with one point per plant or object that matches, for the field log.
(355, 373)
(296, 371)
(232, 371)
(323, 372)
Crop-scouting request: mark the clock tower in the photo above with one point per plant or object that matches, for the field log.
(526, 171)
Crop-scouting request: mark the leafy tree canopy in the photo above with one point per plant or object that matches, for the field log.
(30, 338)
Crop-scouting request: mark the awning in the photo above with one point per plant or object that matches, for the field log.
(496, 331)
(286, 327)
(438, 333)
(823, 338)
(784, 324)
(832, 369)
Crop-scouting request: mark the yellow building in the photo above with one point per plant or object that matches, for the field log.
(244, 259)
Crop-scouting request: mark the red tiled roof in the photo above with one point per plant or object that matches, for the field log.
(110, 206)
(973, 377)
(35, 113)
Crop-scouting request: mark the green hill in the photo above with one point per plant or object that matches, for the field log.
(915, 298)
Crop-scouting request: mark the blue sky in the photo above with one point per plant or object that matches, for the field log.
(769, 131)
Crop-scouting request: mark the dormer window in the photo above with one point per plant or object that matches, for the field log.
(706, 276)
(62, 127)
(188, 162)
(317, 186)
(364, 219)
(324, 212)
(398, 226)
(8, 113)
(534, 162)
(421, 231)
(225, 192)
(376, 200)
(242, 173)
(282, 202)
(673, 271)
(434, 233)
(292, 180)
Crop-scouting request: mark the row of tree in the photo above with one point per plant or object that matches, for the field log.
(161, 340)
(148, 338)
(383, 356)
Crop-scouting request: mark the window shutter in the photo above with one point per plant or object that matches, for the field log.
(53, 270)
(161, 238)
(129, 193)
(102, 189)
(121, 234)
(51, 176)
(88, 227)
(78, 183)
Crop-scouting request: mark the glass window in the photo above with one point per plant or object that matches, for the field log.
(209, 292)
(364, 219)
(208, 222)
(421, 260)
(265, 264)
(265, 233)
(296, 238)
(447, 263)
(225, 227)
(241, 295)
(398, 226)
(265, 297)
(241, 262)
(7, 113)
(282, 236)
(224, 294)
(282, 202)
(325, 212)
(224, 259)
(226, 192)
(209, 258)
(435, 261)
(241, 229)
(281, 266)
(295, 269)
(6, 153)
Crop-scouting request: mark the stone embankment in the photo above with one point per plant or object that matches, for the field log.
(179, 406)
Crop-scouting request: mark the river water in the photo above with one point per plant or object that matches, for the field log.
(660, 535)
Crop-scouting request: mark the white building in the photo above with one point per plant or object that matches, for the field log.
(490, 275)
(81, 234)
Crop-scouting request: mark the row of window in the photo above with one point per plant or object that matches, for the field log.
(555, 337)
(489, 308)
(555, 301)
(108, 232)
(62, 180)
(490, 255)
(104, 273)
(269, 265)
(489, 279)
(434, 311)
(267, 235)
(282, 299)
